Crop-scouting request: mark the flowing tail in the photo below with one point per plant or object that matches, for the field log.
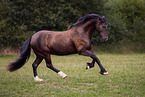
(25, 52)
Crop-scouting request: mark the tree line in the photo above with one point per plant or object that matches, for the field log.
(20, 19)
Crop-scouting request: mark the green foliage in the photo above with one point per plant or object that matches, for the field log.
(21, 18)
(139, 29)
(117, 28)
(123, 17)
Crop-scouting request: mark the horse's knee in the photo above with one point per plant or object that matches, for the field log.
(34, 65)
(48, 65)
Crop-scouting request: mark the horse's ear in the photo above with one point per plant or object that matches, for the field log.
(98, 19)
(69, 27)
(103, 16)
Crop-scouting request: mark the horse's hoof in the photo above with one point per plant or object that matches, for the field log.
(37, 79)
(87, 67)
(104, 73)
(65, 77)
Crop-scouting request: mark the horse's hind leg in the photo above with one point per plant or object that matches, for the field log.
(35, 64)
(49, 65)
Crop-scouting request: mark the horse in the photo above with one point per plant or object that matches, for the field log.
(77, 39)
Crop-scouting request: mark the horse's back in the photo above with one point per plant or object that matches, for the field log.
(54, 42)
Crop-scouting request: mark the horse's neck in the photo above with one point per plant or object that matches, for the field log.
(89, 27)
(85, 28)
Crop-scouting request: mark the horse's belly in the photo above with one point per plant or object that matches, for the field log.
(62, 50)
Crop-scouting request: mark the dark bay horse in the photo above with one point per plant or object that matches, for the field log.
(77, 39)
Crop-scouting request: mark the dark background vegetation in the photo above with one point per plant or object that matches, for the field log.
(20, 19)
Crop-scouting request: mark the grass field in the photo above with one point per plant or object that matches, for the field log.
(126, 77)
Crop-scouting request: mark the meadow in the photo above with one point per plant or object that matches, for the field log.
(126, 77)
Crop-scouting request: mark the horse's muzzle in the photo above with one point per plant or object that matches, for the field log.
(103, 39)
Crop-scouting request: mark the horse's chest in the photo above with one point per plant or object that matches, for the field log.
(83, 43)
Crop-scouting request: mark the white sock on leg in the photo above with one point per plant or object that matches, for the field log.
(63, 75)
(37, 79)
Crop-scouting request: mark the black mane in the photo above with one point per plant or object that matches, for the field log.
(87, 18)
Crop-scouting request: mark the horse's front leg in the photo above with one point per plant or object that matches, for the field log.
(90, 65)
(95, 58)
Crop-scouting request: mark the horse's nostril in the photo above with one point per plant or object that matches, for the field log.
(106, 39)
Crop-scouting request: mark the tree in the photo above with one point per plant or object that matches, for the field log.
(19, 19)
(123, 16)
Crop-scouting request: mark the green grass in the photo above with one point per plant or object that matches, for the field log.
(126, 77)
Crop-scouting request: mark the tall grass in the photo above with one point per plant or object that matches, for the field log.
(121, 47)
(126, 77)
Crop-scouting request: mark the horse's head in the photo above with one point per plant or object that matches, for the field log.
(101, 27)
(101, 24)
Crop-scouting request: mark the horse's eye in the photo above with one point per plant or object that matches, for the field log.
(103, 26)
